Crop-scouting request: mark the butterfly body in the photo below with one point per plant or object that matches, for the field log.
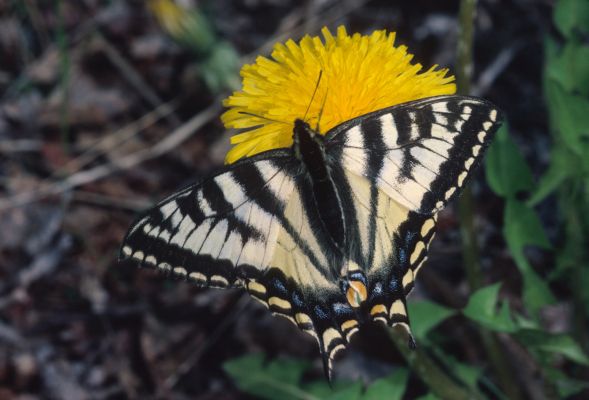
(331, 232)
(309, 149)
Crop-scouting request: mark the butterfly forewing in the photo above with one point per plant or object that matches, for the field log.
(252, 225)
(211, 231)
(389, 241)
(419, 153)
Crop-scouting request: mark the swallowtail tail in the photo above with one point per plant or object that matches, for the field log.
(331, 232)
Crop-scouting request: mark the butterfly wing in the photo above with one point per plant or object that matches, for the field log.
(396, 169)
(418, 153)
(211, 232)
(253, 225)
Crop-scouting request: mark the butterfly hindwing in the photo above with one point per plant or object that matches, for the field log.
(301, 282)
(391, 244)
(419, 153)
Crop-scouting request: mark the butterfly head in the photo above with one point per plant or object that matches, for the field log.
(306, 141)
(302, 126)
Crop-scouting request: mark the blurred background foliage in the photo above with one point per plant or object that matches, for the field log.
(107, 106)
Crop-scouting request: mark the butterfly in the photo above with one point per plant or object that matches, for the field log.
(331, 232)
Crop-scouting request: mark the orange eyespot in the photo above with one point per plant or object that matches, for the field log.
(356, 293)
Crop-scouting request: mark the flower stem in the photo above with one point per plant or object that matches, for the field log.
(470, 250)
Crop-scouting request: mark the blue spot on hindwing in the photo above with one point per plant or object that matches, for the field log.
(296, 299)
(402, 256)
(375, 292)
(341, 308)
(358, 276)
(279, 286)
(409, 237)
(319, 312)
(393, 284)
(377, 288)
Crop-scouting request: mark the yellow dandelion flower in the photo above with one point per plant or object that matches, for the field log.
(359, 74)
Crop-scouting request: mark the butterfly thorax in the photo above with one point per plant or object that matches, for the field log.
(308, 147)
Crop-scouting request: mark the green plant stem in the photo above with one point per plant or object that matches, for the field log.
(470, 249)
(466, 18)
(438, 381)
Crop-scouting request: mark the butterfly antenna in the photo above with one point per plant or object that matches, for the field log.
(321, 112)
(261, 117)
(314, 93)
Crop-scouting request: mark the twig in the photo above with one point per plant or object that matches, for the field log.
(171, 141)
(98, 148)
(64, 76)
(20, 145)
(493, 70)
(11, 336)
(100, 200)
(107, 143)
(134, 78)
(4, 78)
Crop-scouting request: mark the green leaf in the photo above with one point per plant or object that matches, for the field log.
(351, 392)
(571, 16)
(570, 67)
(322, 390)
(536, 293)
(506, 169)
(278, 379)
(562, 165)
(522, 227)
(482, 308)
(425, 315)
(569, 117)
(429, 396)
(524, 322)
(390, 388)
(468, 374)
(553, 343)
(566, 386)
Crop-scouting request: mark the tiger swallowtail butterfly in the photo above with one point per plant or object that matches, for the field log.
(331, 232)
